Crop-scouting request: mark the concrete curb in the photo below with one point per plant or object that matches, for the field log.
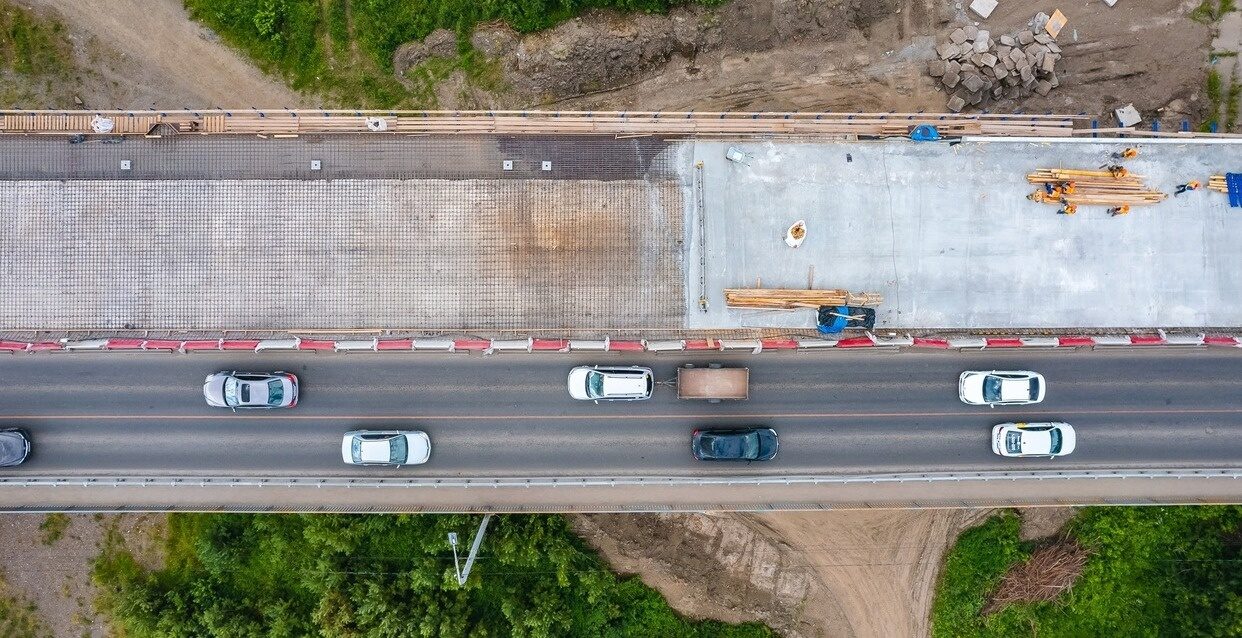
(608, 344)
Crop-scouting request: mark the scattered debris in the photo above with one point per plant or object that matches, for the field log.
(1049, 571)
(1128, 115)
(980, 69)
(796, 234)
(983, 7)
(1056, 23)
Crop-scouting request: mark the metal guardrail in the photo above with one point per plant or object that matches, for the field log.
(652, 481)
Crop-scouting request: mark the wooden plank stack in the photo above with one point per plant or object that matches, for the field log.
(790, 298)
(1217, 183)
(1095, 188)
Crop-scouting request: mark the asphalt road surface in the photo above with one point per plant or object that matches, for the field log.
(510, 415)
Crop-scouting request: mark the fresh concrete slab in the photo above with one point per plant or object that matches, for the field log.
(946, 234)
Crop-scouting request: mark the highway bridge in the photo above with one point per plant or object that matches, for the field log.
(858, 429)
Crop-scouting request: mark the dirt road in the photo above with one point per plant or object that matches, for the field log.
(151, 55)
(838, 574)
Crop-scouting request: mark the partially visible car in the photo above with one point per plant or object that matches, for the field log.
(611, 383)
(14, 447)
(251, 390)
(998, 387)
(1033, 439)
(386, 447)
(753, 444)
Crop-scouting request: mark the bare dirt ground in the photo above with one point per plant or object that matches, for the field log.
(149, 54)
(781, 55)
(56, 576)
(806, 574)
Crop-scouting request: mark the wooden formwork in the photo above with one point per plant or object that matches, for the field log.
(615, 123)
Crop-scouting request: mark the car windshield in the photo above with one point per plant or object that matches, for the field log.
(1034, 389)
(230, 391)
(355, 449)
(595, 384)
(275, 392)
(397, 449)
(991, 388)
(1013, 442)
(1055, 442)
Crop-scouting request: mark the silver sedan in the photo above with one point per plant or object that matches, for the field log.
(251, 390)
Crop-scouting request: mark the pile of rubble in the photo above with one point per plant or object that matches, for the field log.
(977, 69)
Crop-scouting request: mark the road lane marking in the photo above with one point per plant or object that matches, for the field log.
(1025, 414)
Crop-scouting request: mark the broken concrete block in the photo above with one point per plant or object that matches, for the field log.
(988, 72)
(966, 49)
(996, 91)
(977, 59)
(958, 36)
(969, 31)
(985, 7)
(956, 103)
(1008, 41)
(1128, 115)
(1000, 72)
(1042, 87)
(1049, 64)
(1025, 37)
(1052, 46)
(982, 35)
(1054, 81)
(952, 66)
(1043, 38)
(988, 59)
(946, 51)
(1017, 55)
(950, 79)
(1010, 64)
(975, 98)
(981, 46)
(935, 68)
(1026, 74)
(972, 83)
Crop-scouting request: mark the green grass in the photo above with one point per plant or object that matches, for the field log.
(1153, 571)
(1210, 11)
(374, 575)
(342, 49)
(19, 618)
(1215, 96)
(53, 528)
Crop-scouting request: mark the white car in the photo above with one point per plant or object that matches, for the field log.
(251, 390)
(997, 387)
(1033, 439)
(611, 383)
(388, 447)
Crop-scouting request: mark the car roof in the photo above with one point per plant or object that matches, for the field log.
(376, 451)
(625, 385)
(1036, 442)
(1015, 389)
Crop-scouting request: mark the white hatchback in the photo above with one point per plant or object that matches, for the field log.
(997, 387)
(1033, 439)
(387, 447)
(610, 383)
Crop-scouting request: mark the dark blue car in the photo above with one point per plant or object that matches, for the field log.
(755, 444)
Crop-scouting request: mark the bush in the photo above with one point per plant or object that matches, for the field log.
(312, 44)
(1153, 571)
(328, 575)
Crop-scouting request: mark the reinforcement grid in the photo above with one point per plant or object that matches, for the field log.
(345, 253)
(339, 157)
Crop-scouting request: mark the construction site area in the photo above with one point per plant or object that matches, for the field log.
(613, 223)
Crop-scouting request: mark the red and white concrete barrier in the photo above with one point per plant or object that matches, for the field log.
(544, 344)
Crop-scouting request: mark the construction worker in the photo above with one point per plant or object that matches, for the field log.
(1192, 185)
(1068, 188)
(1129, 153)
(1117, 171)
(1117, 211)
(1067, 208)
